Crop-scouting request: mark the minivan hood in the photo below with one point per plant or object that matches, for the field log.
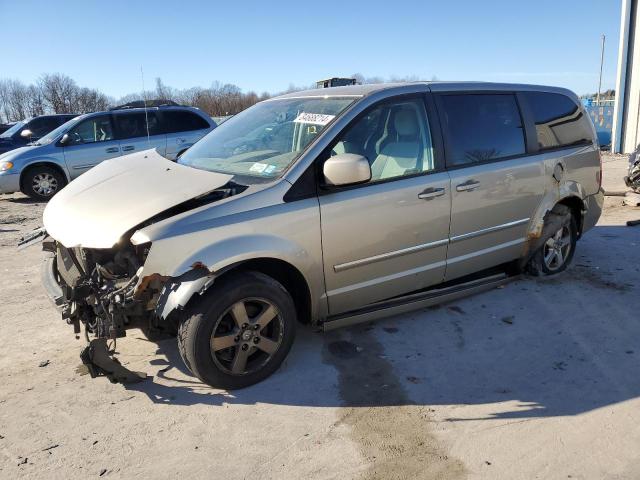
(96, 209)
(15, 153)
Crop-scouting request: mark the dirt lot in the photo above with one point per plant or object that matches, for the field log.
(538, 379)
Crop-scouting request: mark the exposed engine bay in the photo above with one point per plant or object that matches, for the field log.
(106, 291)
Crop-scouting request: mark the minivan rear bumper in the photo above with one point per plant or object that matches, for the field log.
(9, 183)
(593, 205)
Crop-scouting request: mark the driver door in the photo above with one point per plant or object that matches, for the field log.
(387, 237)
(91, 142)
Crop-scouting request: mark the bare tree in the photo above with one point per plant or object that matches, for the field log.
(59, 92)
(14, 97)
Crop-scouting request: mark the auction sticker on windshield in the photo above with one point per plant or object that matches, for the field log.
(315, 118)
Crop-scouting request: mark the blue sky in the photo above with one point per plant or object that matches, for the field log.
(268, 45)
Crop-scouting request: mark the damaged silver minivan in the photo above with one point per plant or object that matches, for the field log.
(324, 207)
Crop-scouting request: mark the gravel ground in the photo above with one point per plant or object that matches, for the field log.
(538, 379)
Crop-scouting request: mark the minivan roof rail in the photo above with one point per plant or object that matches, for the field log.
(149, 103)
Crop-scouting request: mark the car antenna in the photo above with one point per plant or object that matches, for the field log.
(144, 100)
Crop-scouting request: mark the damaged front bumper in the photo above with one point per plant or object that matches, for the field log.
(50, 281)
(103, 292)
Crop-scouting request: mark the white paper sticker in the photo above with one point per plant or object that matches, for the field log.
(315, 118)
(258, 167)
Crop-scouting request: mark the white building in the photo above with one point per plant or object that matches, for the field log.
(625, 136)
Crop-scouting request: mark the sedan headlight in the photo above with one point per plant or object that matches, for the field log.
(4, 166)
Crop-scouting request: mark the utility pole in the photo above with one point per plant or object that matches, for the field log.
(601, 64)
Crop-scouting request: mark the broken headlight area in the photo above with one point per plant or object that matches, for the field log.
(101, 288)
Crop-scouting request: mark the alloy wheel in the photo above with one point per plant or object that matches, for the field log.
(45, 184)
(246, 336)
(557, 249)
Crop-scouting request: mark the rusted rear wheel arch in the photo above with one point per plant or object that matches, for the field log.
(577, 210)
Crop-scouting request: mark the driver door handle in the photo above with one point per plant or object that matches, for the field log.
(468, 186)
(111, 149)
(431, 193)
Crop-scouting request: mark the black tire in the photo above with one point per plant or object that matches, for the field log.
(215, 313)
(558, 222)
(42, 182)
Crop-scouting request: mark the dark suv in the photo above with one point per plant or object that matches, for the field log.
(30, 130)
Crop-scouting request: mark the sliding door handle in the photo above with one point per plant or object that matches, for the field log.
(430, 193)
(468, 186)
(128, 148)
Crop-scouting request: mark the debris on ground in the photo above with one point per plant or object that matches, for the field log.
(44, 363)
(100, 362)
(632, 199)
(103, 471)
(51, 447)
(559, 365)
(457, 309)
(508, 320)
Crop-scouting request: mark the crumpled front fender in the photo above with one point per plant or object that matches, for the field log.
(177, 292)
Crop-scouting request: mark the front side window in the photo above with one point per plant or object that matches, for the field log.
(558, 119)
(482, 127)
(394, 137)
(133, 125)
(13, 129)
(92, 130)
(265, 139)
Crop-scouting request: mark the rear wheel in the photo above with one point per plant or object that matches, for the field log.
(560, 233)
(239, 332)
(42, 182)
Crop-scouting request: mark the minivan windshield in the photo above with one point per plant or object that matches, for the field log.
(264, 140)
(53, 134)
(9, 132)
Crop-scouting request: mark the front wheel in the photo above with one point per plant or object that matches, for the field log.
(560, 233)
(240, 332)
(42, 182)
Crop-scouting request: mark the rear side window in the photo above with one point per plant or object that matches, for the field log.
(183, 121)
(132, 125)
(481, 127)
(559, 121)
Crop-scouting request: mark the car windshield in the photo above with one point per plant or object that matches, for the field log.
(52, 135)
(264, 140)
(13, 129)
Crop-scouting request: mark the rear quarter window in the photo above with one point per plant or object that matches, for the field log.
(559, 122)
(481, 127)
(183, 121)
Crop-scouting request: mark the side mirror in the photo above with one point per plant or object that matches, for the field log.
(346, 169)
(65, 139)
(26, 133)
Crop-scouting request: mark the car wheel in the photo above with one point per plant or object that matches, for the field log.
(556, 252)
(239, 332)
(42, 183)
